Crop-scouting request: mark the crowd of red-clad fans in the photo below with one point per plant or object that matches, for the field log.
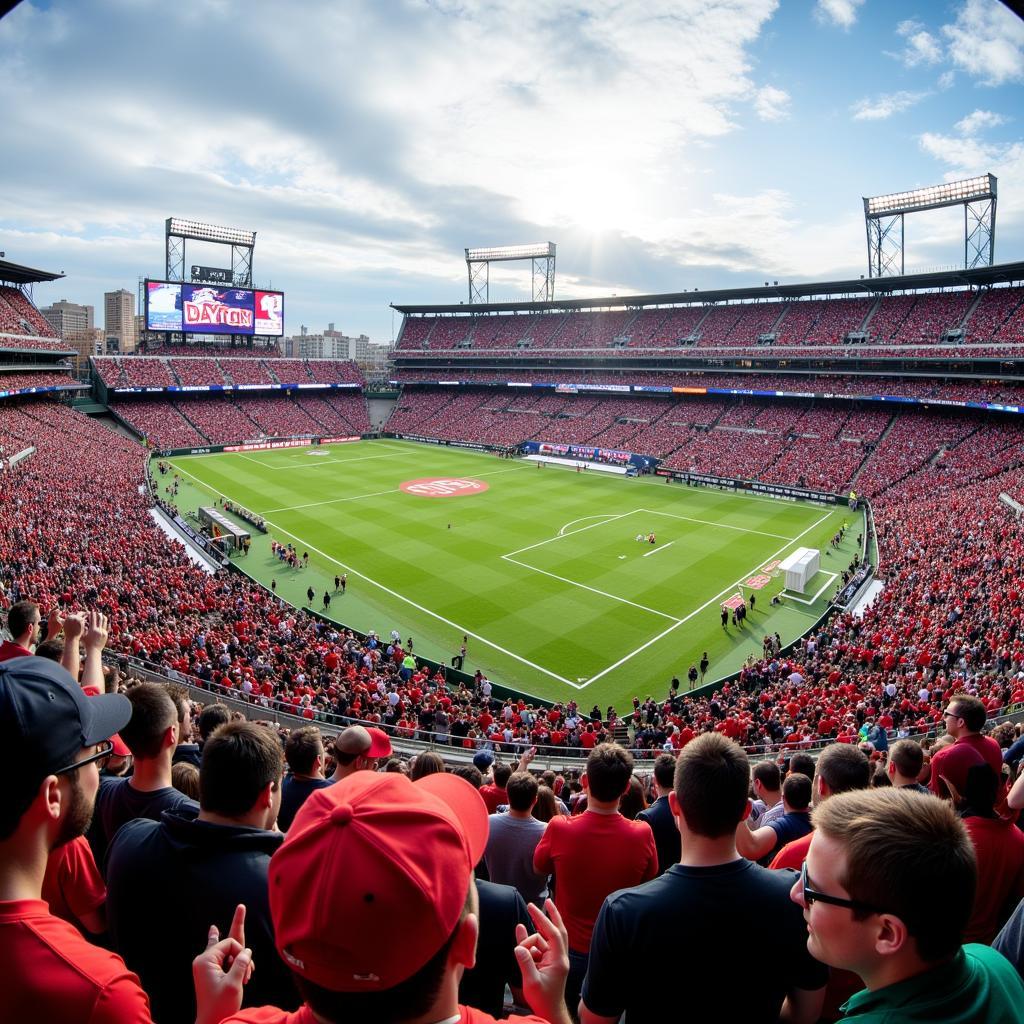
(161, 372)
(938, 652)
(981, 324)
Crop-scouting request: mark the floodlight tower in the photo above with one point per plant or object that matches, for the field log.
(242, 244)
(884, 221)
(542, 261)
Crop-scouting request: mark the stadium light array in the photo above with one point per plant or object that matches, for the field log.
(201, 232)
(951, 193)
(542, 250)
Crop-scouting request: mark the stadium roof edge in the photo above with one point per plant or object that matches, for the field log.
(15, 273)
(979, 276)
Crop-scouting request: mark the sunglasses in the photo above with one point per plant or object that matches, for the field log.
(813, 896)
(103, 750)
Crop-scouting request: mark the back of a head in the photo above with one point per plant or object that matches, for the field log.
(908, 757)
(185, 779)
(239, 760)
(665, 770)
(428, 762)
(522, 791)
(609, 768)
(711, 784)
(802, 764)
(211, 718)
(796, 792)
(153, 713)
(980, 791)
(20, 617)
(768, 774)
(471, 774)
(844, 767)
(502, 772)
(546, 807)
(302, 748)
(902, 849)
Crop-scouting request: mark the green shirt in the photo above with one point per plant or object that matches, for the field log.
(978, 986)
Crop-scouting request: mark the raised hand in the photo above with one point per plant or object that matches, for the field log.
(221, 971)
(544, 962)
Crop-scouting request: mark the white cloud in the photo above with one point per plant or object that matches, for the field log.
(921, 46)
(946, 80)
(966, 154)
(878, 108)
(772, 104)
(979, 120)
(838, 12)
(987, 41)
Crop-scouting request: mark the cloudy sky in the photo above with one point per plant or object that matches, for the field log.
(662, 144)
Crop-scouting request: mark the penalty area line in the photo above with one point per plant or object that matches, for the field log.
(656, 550)
(697, 611)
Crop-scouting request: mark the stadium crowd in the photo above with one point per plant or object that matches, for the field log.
(822, 873)
(909, 324)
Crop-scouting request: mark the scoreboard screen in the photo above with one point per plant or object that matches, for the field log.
(207, 309)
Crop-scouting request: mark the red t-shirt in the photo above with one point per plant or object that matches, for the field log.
(303, 1015)
(999, 847)
(52, 974)
(9, 649)
(793, 854)
(73, 885)
(591, 856)
(494, 796)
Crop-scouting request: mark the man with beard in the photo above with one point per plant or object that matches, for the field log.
(52, 738)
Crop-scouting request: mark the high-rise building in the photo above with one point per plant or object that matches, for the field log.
(69, 318)
(332, 344)
(119, 320)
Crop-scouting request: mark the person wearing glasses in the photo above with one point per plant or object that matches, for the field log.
(887, 890)
(52, 739)
(738, 944)
(964, 719)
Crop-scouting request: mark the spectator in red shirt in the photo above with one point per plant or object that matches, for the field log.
(965, 717)
(594, 854)
(23, 621)
(494, 792)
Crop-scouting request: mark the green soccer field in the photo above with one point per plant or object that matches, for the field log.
(540, 568)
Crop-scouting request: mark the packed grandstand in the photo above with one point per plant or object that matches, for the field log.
(910, 397)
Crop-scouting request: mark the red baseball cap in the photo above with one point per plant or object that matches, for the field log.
(369, 858)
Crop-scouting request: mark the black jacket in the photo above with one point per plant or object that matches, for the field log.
(167, 882)
(667, 840)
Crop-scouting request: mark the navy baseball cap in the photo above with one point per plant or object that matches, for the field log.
(483, 759)
(46, 719)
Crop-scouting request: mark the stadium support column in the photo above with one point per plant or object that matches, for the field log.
(885, 246)
(980, 232)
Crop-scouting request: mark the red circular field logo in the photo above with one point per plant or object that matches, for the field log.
(444, 487)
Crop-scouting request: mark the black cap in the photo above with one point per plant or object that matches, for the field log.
(46, 719)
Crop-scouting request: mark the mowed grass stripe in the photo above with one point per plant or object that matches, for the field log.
(404, 543)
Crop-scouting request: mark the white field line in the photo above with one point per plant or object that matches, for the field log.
(572, 533)
(374, 494)
(707, 522)
(696, 611)
(593, 590)
(833, 576)
(426, 611)
(582, 519)
(662, 548)
(340, 462)
(401, 597)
